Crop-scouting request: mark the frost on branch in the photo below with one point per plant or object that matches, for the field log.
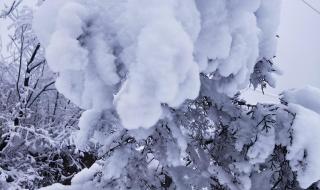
(36, 122)
(114, 55)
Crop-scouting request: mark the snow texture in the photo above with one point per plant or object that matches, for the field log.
(308, 97)
(304, 150)
(81, 181)
(120, 55)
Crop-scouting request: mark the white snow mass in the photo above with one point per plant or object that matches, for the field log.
(304, 151)
(137, 55)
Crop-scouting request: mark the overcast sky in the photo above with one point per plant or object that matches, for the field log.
(299, 44)
(298, 48)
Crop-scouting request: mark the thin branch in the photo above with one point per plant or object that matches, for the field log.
(310, 6)
(34, 87)
(13, 6)
(20, 61)
(55, 106)
(28, 70)
(37, 65)
(33, 55)
(43, 90)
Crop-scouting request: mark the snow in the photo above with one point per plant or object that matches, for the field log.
(165, 74)
(268, 16)
(304, 151)
(113, 55)
(119, 62)
(308, 97)
(85, 179)
(81, 181)
(87, 123)
(263, 147)
(43, 28)
(234, 35)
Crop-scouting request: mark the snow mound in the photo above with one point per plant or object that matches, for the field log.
(308, 97)
(303, 153)
(120, 55)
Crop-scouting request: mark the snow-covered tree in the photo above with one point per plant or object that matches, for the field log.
(36, 122)
(173, 68)
(159, 82)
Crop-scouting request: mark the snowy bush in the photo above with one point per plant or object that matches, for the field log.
(135, 60)
(36, 122)
(159, 81)
(213, 142)
(159, 84)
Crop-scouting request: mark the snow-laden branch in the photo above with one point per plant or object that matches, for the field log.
(135, 56)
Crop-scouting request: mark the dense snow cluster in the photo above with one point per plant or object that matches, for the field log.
(273, 145)
(304, 151)
(120, 54)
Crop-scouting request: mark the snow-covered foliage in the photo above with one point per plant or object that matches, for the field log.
(136, 60)
(213, 142)
(36, 122)
(158, 82)
(304, 153)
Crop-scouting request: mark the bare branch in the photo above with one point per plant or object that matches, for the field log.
(13, 6)
(310, 6)
(20, 60)
(43, 90)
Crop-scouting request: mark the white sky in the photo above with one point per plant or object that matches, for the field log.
(298, 48)
(299, 45)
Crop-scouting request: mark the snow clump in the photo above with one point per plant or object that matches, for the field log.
(136, 56)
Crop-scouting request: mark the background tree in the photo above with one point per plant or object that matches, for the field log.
(36, 121)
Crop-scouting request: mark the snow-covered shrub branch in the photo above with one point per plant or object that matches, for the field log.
(159, 81)
(213, 142)
(36, 122)
(135, 61)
